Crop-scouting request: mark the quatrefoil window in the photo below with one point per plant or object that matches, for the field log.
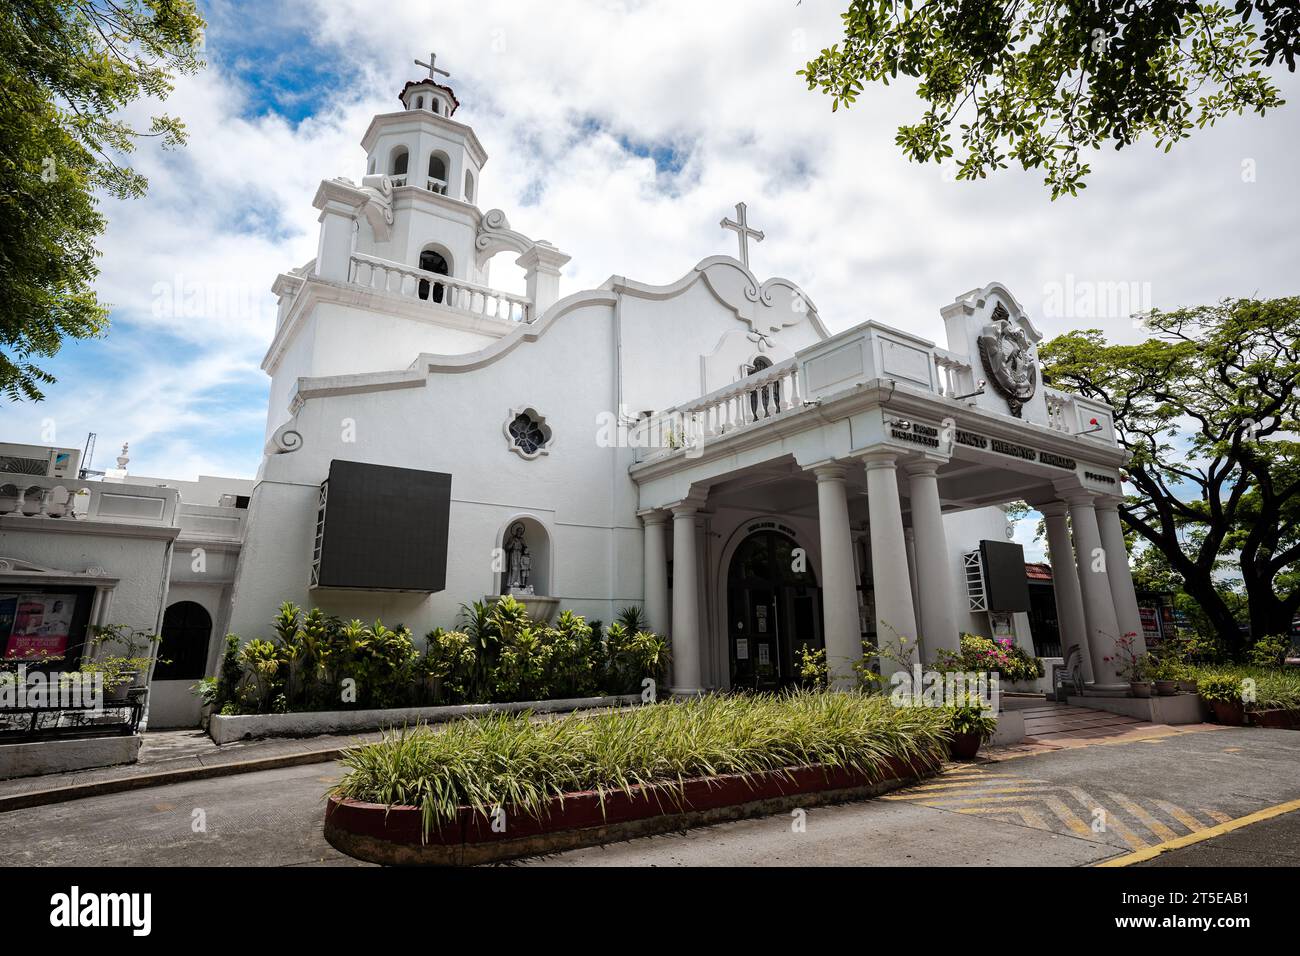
(528, 433)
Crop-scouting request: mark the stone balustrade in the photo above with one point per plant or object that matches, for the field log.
(29, 496)
(869, 352)
(441, 291)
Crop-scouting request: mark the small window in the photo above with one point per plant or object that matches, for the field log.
(419, 102)
(528, 433)
(469, 186)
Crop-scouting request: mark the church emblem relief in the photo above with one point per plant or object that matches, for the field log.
(1009, 360)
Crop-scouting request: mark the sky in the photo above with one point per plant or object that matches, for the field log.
(622, 132)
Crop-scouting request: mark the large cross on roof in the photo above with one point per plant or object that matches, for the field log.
(433, 69)
(743, 232)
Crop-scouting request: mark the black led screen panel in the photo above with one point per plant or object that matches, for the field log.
(385, 528)
(1005, 584)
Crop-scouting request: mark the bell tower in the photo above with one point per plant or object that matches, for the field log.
(426, 165)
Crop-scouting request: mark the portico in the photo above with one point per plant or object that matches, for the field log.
(875, 441)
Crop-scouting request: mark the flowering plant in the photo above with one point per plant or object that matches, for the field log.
(1127, 662)
(1001, 656)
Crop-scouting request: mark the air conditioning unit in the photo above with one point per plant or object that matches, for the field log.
(39, 460)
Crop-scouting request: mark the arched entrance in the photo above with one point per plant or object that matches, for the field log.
(774, 607)
(186, 634)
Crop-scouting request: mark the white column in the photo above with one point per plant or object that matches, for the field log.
(909, 542)
(1065, 585)
(839, 588)
(686, 602)
(1121, 576)
(1098, 602)
(895, 615)
(655, 540)
(937, 606)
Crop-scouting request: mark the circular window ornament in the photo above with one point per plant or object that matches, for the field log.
(527, 433)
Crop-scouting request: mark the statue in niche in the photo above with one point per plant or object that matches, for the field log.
(519, 561)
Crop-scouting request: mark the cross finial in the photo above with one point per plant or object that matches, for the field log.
(743, 232)
(433, 69)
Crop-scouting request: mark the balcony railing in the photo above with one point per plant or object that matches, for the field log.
(756, 398)
(834, 366)
(27, 496)
(438, 290)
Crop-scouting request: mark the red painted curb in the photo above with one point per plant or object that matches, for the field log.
(354, 825)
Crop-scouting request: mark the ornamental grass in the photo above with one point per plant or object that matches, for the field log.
(1275, 688)
(520, 764)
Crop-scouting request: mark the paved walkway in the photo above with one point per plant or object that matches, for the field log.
(1068, 725)
(165, 751)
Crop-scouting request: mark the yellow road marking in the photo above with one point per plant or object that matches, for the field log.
(1113, 822)
(962, 796)
(1214, 815)
(1144, 818)
(968, 784)
(1150, 853)
(1068, 817)
(1182, 816)
(1030, 816)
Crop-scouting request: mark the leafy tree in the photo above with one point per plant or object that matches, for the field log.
(67, 70)
(1041, 81)
(1208, 408)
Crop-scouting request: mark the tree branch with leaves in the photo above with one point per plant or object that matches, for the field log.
(1042, 82)
(69, 70)
(1208, 408)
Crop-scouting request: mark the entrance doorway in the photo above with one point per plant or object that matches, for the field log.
(774, 608)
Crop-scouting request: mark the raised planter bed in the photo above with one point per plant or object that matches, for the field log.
(1280, 719)
(394, 835)
(224, 730)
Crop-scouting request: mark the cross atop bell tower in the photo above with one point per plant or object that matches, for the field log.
(434, 70)
(430, 92)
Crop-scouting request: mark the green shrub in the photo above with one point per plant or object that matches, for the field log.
(1270, 688)
(514, 762)
(449, 664)
(1269, 651)
(632, 657)
(814, 672)
(1219, 687)
(315, 661)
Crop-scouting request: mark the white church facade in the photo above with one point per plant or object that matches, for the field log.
(705, 449)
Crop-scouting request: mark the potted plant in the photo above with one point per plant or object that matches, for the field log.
(116, 673)
(1131, 666)
(1164, 674)
(970, 725)
(137, 648)
(1223, 693)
